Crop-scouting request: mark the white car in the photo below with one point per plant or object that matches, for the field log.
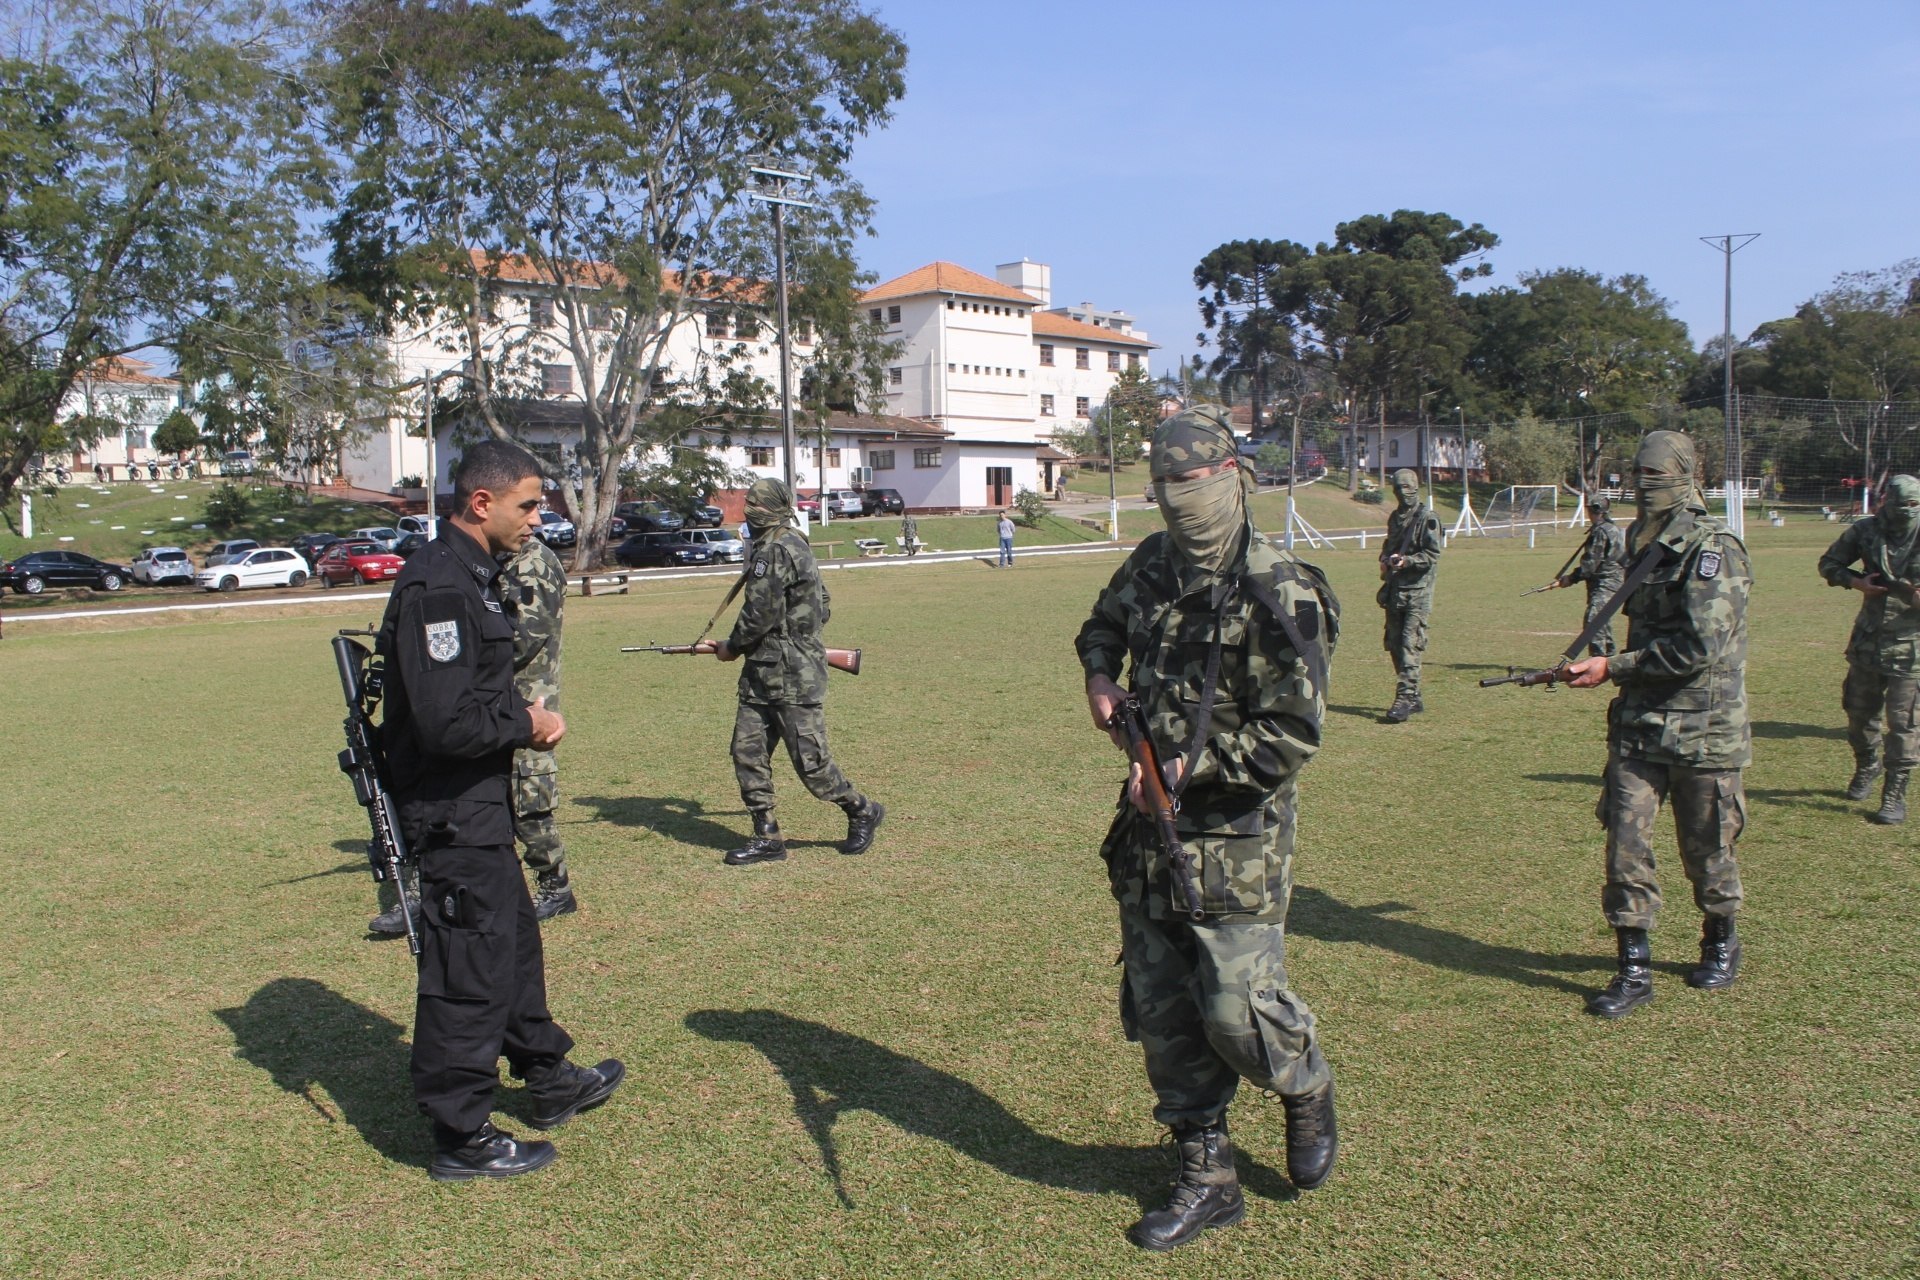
(267, 567)
(725, 545)
(415, 524)
(385, 537)
(158, 565)
(845, 502)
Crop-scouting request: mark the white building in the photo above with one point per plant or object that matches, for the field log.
(126, 394)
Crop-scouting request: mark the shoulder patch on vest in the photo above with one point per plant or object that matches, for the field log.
(1709, 563)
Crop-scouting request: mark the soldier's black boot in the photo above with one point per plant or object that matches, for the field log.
(485, 1153)
(861, 825)
(1313, 1138)
(555, 897)
(562, 1091)
(1632, 986)
(389, 924)
(1404, 705)
(1719, 955)
(1893, 800)
(767, 844)
(1205, 1194)
(1860, 785)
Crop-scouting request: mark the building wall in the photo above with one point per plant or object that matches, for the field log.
(140, 408)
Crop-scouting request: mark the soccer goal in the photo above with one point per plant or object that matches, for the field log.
(1519, 505)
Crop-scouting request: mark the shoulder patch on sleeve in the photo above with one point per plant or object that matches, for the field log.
(443, 641)
(1709, 564)
(759, 567)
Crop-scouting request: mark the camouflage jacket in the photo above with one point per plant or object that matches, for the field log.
(1886, 632)
(1682, 675)
(1604, 563)
(1156, 618)
(533, 586)
(1421, 544)
(784, 608)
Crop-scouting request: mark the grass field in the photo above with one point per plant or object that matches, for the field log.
(909, 1064)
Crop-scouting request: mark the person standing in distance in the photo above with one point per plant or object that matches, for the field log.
(1883, 653)
(1407, 564)
(1229, 638)
(453, 721)
(1677, 731)
(534, 589)
(783, 687)
(910, 534)
(1603, 567)
(1005, 529)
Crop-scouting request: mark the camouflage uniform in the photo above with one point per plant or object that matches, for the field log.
(1603, 567)
(1678, 727)
(1407, 593)
(784, 679)
(534, 590)
(1883, 653)
(910, 535)
(1209, 1001)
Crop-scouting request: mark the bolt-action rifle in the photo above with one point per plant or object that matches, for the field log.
(362, 680)
(1131, 719)
(847, 660)
(1650, 559)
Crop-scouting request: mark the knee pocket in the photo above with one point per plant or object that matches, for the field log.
(1265, 1038)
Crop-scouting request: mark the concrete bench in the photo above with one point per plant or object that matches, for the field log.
(610, 584)
(870, 546)
(919, 544)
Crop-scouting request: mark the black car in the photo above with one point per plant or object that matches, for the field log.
(310, 545)
(882, 502)
(408, 544)
(648, 517)
(37, 570)
(644, 550)
(706, 516)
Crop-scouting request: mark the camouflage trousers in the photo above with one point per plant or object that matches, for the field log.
(1598, 593)
(1873, 700)
(1709, 813)
(757, 725)
(1406, 639)
(536, 791)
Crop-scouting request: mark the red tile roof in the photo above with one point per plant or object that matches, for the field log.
(127, 369)
(1048, 325)
(946, 277)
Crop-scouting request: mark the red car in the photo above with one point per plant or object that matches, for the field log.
(356, 562)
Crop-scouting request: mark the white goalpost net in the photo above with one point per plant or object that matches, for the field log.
(1520, 505)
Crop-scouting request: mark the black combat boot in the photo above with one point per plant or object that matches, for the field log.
(485, 1153)
(1719, 955)
(1860, 785)
(861, 825)
(1418, 705)
(1632, 986)
(767, 844)
(555, 897)
(1205, 1194)
(389, 924)
(562, 1091)
(1893, 800)
(1313, 1139)
(1404, 705)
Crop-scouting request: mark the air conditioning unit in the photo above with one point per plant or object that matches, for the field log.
(863, 475)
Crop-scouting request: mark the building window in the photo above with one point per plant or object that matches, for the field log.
(926, 457)
(874, 315)
(1082, 409)
(833, 457)
(1046, 355)
(880, 459)
(1080, 358)
(1113, 362)
(949, 304)
(759, 455)
(746, 327)
(1393, 448)
(894, 376)
(802, 330)
(136, 438)
(893, 315)
(556, 379)
(599, 316)
(1046, 406)
(716, 324)
(952, 368)
(540, 313)
(1133, 359)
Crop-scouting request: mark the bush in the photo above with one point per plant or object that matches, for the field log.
(228, 505)
(1030, 507)
(1376, 496)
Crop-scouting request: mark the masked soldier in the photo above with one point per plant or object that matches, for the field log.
(784, 683)
(1407, 564)
(1603, 567)
(1229, 638)
(910, 535)
(1883, 653)
(534, 588)
(1677, 730)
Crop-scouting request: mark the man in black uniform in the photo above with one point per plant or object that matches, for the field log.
(452, 723)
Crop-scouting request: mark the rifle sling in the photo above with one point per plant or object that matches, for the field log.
(745, 571)
(1650, 559)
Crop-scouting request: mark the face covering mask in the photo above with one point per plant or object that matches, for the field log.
(1662, 482)
(1205, 517)
(1900, 513)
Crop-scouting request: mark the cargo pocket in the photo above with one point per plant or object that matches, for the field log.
(1129, 1014)
(1284, 1028)
(1729, 808)
(1230, 862)
(457, 961)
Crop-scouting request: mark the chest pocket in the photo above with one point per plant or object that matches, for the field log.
(494, 668)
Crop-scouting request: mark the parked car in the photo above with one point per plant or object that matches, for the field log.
(706, 516)
(266, 567)
(845, 502)
(385, 537)
(726, 546)
(357, 562)
(808, 506)
(157, 566)
(409, 544)
(414, 524)
(882, 502)
(236, 462)
(648, 517)
(310, 545)
(37, 570)
(232, 549)
(644, 550)
(556, 530)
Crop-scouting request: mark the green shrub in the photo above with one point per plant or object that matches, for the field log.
(1030, 508)
(228, 505)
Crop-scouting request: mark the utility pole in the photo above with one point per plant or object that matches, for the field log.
(773, 191)
(1729, 245)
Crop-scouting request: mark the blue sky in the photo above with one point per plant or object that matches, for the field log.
(1120, 141)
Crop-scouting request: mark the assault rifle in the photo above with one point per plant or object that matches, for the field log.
(1650, 559)
(362, 680)
(1131, 719)
(847, 660)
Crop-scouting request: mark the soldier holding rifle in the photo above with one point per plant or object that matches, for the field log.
(1603, 567)
(1408, 563)
(1229, 638)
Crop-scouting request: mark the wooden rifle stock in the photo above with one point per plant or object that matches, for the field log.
(847, 660)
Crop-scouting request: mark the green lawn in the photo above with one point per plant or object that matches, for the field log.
(909, 1064)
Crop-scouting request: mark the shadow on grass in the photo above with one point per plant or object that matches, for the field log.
(1318, 914)
(831, 1072)
(1571, 779)
(1789, 730)
(1805, 798)
(344, 869)
(687, 821)
(1365, 713)
(303, 1033)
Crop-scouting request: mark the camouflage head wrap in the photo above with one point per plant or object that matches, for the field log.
(1406, 486)
(769, 505)
(1206, 518)
(1599, 505)
(1900, 510)
(1662, 480)
(1198, 437)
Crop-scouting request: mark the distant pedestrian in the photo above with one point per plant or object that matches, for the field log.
(910, 535)
(1060, 487)
(1006, 540)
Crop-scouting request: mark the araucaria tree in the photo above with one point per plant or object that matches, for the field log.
(597, 154)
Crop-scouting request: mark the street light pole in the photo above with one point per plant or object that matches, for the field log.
(1113, 494)
(774, 192)
(1729, 245)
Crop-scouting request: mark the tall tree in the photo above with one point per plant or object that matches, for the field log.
(155, 163)
(599, 151)
(1251, 292)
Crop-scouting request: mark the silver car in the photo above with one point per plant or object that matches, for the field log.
(725, 545)
(157, 565)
